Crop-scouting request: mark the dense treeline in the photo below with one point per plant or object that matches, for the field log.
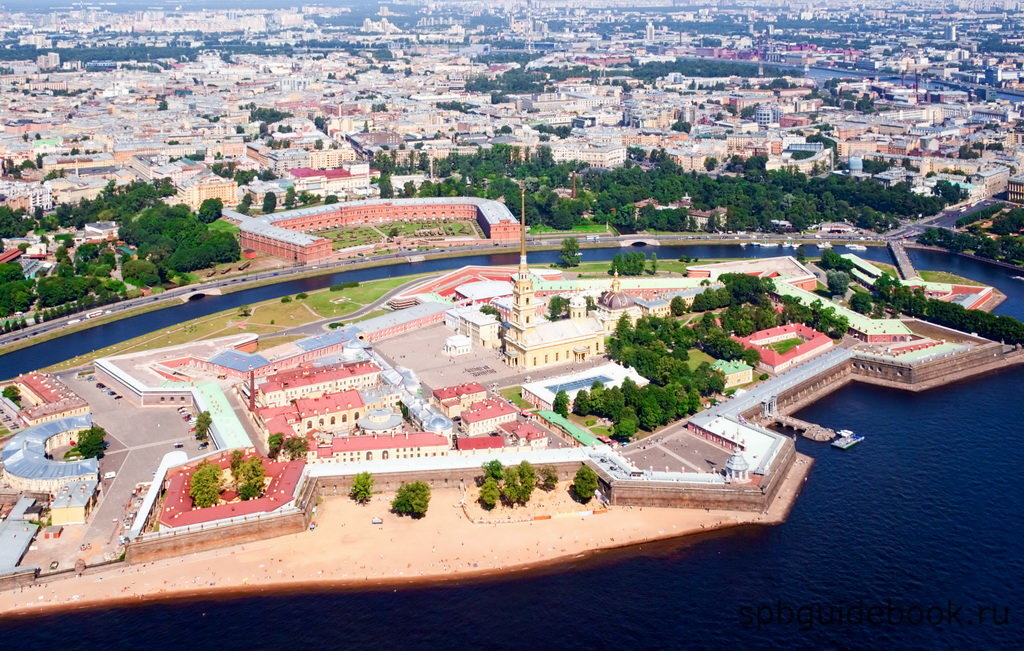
(1007, 248)
(171, 240)
(752, 200)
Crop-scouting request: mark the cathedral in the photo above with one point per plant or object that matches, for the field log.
(532, 342)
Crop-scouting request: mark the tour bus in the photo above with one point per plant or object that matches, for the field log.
(94, 314)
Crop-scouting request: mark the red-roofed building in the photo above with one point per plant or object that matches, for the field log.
(44, 398)
(353, 449)
(475, 443)
(813, 343)
(521, 433)
(345, 180)
(312, 381)
(452, 400)
(331, 412)
(485, 416)
(179, 511)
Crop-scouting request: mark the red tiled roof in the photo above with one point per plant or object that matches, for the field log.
(486, 410)
(305, 376)
(447, 393)
(523, 430)
(812, 341)
(480, 443)
(328, 404)
(178, 508)
(387, 442)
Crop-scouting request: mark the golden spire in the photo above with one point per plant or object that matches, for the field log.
(522, 232)
(616, 285)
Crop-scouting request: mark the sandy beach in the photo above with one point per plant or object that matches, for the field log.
(347, 551)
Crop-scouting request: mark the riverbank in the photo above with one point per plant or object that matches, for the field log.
(347, 552)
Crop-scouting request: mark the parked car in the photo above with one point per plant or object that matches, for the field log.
(179, 445)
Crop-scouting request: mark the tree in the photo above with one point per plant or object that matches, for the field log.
(384, 184)
(205, 485)
(90, 442)
(237, 459)
(289, 197)
(584, 484)
(558, 307)
(710, 163)
(838, 282)
(561, 404)
(296, 447)
(678, 306)
(274, 443)
(412, 499)
(569, 255)
(654, 263)
(203, 423)
(210, 210)
(250, 478)
(494, 470)
(519, 483)
(12, 393)
(861, 302)
(548, 478)
(489, 493)
(362, 488)
(141, 273)
(269, 202)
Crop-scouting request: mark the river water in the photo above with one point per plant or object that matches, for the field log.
(922, 517)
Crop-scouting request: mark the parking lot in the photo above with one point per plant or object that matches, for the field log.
(138, 439)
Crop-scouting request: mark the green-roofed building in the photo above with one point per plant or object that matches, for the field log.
(862, 327)
(582, 436)
(735, 372)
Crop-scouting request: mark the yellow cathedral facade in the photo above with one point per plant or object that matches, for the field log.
(532, 342)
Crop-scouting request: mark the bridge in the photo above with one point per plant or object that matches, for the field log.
(903, 263)
(200, 292)
(639, 241)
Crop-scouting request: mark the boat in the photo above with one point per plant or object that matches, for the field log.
(825, 245)
(1018, 277)
(847, 439)
(856, 247)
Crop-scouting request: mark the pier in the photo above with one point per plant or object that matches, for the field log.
(903, 263)
(812, 431)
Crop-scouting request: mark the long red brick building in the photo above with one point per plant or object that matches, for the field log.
(290, 234)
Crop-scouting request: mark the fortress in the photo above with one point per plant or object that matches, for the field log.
(291, 234)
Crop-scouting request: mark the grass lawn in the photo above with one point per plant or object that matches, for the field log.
(575, 230)
(946, 277)
(345, 237)
(221, 226)
(432, 229)
(368, 292)
(284, 315)
(603, 268)
(697, 357)
(515, 396)
(786, 345)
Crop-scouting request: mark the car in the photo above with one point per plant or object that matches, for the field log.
(179, 445)
(376, 521)
(204, 445)
(54, 565)
(100, 385)
(109, 475)
(117, 397)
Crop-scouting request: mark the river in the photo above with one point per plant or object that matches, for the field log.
(101, 336)
(921, 515)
